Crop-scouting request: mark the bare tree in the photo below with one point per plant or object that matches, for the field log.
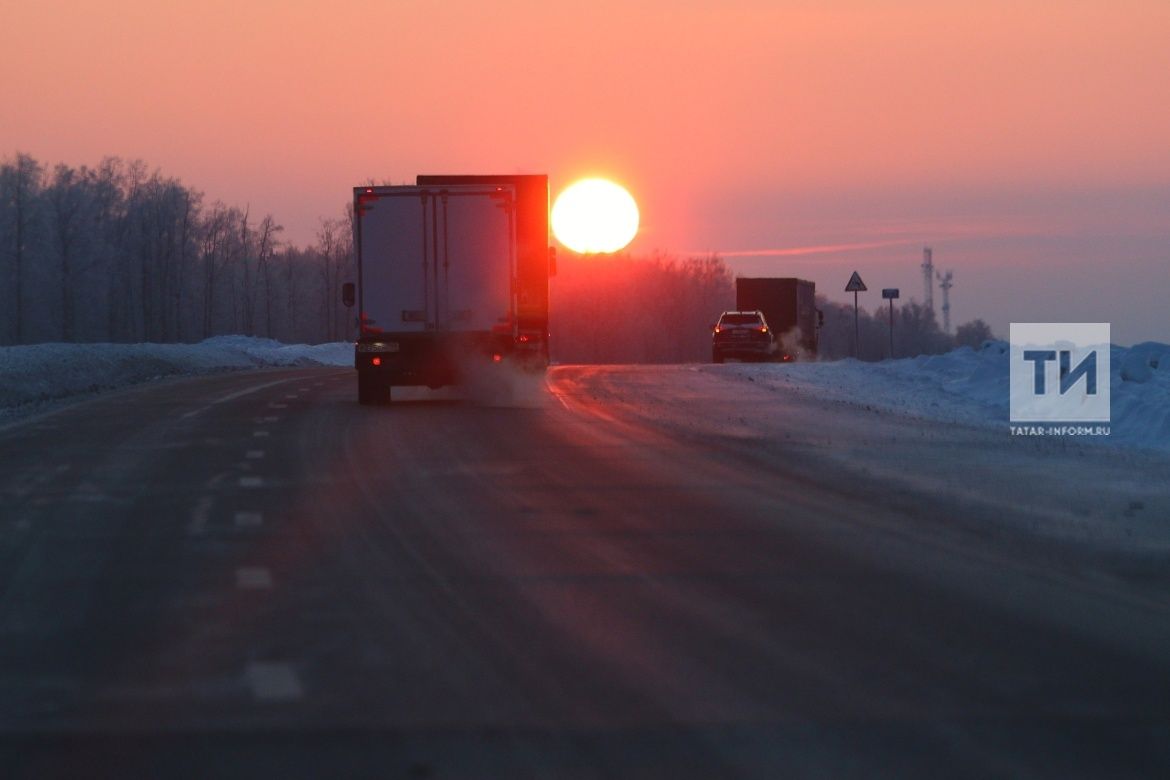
(335, 251)
(248, 302)
(265, 250)
(67, 212)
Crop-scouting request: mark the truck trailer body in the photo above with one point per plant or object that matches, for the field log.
(450, 272)
(789, 305)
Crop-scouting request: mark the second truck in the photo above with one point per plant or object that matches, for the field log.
(789, 305)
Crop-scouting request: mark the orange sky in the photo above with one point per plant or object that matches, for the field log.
(738, 126)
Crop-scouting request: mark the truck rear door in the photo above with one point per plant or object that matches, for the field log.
(476, 266)
(435, 258)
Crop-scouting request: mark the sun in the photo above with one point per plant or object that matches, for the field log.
(595, 215)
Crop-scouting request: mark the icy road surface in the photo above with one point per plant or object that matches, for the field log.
(641, 571)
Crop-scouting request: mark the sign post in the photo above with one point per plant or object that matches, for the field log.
(855, 286)
(891, 294)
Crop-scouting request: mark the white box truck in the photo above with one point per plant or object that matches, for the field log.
(450, 271)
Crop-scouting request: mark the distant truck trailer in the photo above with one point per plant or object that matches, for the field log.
(790, 308)
(451, 272)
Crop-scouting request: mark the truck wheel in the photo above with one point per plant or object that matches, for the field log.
(716, 356)
(372, 392)
(365, 391)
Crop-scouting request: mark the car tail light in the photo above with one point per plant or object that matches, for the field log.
(763, 329)
(496, 358)
(718, 329)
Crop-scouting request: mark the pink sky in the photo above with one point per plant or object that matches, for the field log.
(995, 131)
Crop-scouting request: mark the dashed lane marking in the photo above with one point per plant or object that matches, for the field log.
(278, 406)
(251, 482)
(254, 454)
(249, 519)
(269, 419)
(274, 682)
(234, 396)
(253, 578)
(259, 434)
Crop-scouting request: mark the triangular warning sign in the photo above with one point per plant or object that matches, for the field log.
(855, 284)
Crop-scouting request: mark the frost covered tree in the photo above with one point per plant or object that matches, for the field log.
(121, 253)
(972, 334)
(623, 309)
(20, 211)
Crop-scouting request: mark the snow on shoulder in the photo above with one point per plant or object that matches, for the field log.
(970, 387)
(41, 373)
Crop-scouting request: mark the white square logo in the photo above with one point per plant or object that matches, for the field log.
(1059, 372)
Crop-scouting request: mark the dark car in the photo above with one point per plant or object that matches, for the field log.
(744, 335)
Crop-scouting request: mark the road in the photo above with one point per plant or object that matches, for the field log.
(250, 574)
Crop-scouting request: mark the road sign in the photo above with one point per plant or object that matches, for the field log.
(890, 292)
(855, 284)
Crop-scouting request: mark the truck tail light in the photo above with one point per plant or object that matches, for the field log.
(377, 361)
(496, 358)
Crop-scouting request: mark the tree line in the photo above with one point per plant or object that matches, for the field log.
(622, 309)
(120, 253)
(916, 332)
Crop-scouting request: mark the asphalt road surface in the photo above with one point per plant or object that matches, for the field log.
(252, 575)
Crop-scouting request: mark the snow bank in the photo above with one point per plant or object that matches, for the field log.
(48, 372)
(971, 387)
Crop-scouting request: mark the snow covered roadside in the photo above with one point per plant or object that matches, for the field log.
(33, 375)
(971, 387)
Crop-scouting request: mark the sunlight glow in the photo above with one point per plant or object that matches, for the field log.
(595, 215)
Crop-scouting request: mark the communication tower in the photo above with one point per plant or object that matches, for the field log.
(945, 284)
(928, 278)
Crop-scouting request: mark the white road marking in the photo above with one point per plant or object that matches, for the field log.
(249, 519)
(278, 406)
(251, 482)
(234, 396)
(199, 516)
(274, 682)
(291, 395)
(259, 434)
(254, 454)
(253, 577)
(302, 389)
(270, 419)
